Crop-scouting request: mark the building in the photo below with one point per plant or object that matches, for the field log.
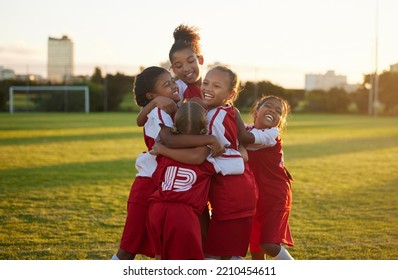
(324, 82)
(394, 67)
(60, 65)
(6, 74)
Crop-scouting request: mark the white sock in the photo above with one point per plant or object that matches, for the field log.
(115, 258)
(283, 255)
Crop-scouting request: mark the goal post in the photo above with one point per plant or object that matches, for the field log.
(49, 88)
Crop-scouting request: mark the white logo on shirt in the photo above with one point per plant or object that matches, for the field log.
(178, 179)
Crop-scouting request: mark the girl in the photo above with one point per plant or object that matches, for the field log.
(182, 193)
(270, 226)
(151, 83)
(186, 60)
(232, 197)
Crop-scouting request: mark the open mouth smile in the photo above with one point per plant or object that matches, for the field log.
(269, 117)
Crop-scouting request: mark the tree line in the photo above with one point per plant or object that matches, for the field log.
(112, 92)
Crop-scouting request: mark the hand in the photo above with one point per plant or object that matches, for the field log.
(216, 148)
(166, 104)
(156, 149)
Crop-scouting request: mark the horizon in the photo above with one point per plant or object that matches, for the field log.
(279, 42)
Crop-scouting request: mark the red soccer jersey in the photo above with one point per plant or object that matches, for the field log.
(272, 178)
(135, 237)
(181, 197)
(270, 224)
(184, 183)
(231, 196)
(155, 120)
(222, 124)
(188, 91)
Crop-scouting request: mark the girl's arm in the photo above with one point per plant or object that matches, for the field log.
(190, 156)
(243, 152)
(255, 136)
(178, 141)
(244, 137)
(164, 103)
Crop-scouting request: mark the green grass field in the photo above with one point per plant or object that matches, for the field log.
(65, 179)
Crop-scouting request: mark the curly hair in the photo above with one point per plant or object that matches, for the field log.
(185, 37)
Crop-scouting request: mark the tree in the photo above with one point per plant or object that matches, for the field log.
(4, 92)
(361, 100)
(388, 92)
(316, 101)
(97, 76)
(117, 87)
(337, 101)
(294, 96)
(253, 91)
(268, 88)
(246, 97)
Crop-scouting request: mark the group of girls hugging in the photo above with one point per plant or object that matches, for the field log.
(208, 186)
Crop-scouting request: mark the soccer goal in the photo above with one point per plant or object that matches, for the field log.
(14, 89)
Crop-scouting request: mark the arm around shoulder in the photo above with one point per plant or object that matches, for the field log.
(195, 155)
(164, 103)
(244, 137)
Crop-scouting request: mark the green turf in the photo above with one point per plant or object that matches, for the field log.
(65, 179)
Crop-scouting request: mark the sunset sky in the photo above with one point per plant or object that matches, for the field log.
(279, 40)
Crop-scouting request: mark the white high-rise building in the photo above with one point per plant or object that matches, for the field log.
(324, 82)
(60, 59)
(394, 67)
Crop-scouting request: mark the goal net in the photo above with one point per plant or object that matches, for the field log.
(49, 99)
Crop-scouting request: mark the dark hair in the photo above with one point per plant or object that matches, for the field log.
(285, 108)
(190, 118)
(145, 82)
(185, 37)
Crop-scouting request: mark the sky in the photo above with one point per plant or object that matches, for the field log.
(279, 41)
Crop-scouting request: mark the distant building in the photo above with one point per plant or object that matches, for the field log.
(60, 59)
(394, 67)
(324, 82)
(6, 74)
(30, 77)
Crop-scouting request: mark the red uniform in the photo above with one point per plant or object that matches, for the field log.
(275, 196)
(135, 238)
(182, 195)
(188, 91)
(232, 197)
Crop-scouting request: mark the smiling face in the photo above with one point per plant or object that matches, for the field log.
(269, 114)
(186, 66)
(165, 86)
(216, 88)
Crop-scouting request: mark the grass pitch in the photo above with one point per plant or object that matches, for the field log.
(65, 179)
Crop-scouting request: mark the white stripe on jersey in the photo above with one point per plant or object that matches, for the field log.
(157, 118)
